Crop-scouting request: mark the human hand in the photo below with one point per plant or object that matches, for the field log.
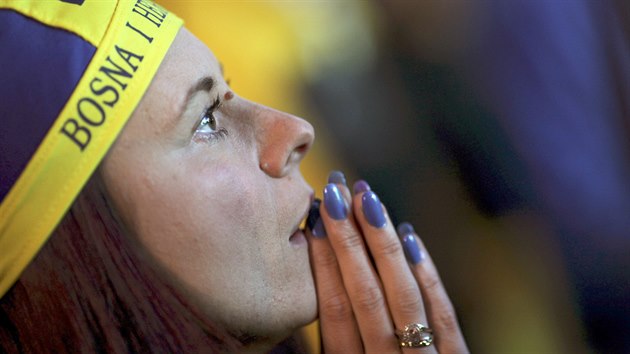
(366, 289)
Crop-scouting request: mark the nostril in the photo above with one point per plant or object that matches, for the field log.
(284, 141)
(302, 149)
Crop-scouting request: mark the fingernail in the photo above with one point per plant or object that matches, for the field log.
(410, 245)
(361, 186)
(337, 177)
(412, 249)
(334, 202)
(373, 210)
(314, 221)
(404, 228)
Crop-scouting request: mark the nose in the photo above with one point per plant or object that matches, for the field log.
(283, 141)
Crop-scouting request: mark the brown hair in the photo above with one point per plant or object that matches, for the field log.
(88, 291)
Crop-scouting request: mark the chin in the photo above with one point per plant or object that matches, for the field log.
(273, 318)
(262, 335)
(308, 313)
(301, 312)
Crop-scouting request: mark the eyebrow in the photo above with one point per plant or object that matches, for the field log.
(206, 83)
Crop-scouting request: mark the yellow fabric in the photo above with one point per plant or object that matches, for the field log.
(89, 20)
(66, 157)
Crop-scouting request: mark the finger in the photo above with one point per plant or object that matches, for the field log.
(339, 330)
(359, 278)
(402, 292)
(441, 315)
(337, 177)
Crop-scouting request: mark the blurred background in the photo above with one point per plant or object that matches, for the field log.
(498, 128)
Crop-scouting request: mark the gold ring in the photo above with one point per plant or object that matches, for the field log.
(415, 335)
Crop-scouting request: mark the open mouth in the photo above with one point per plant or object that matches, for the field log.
(298, 238)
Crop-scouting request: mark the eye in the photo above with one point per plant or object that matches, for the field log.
(208, 123)
(208, 128)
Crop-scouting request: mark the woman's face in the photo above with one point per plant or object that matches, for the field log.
(207, 183)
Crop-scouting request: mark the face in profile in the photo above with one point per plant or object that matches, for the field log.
(207, 186)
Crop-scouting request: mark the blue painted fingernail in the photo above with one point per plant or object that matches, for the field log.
(314, 221)
(373, 210)
(412, 249)
(334, 202)
(337, 177)
(404, 228)
(361, 186)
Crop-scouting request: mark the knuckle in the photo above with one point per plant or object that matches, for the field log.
(327, 259)
(336, 308)
(348, 241)
(447, 319)
(431, 283)
(391, 248)
(369, 300)
(408, 301)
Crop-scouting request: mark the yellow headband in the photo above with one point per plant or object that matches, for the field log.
(131, 39)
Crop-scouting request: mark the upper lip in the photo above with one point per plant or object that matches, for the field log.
(304, 214)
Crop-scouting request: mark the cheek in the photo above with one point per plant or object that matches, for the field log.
(196, 211)
(229, 195)
(229, 191)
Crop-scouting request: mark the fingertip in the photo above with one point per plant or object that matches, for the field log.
(335, 202)
(412, 250)
(360, 186)
(404, 228)
(337, 177)
(373, 210)
(411, 246)
(314, 222)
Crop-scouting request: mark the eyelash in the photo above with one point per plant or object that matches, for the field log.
(219, 133)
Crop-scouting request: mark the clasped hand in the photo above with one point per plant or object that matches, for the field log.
(378, 290)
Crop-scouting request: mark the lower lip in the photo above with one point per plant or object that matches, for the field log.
(298, 239)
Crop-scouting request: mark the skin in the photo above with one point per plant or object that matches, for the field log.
(218, 215)
(215, 213)
(366, 289)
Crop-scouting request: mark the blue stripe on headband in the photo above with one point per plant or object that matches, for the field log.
(39, 69)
